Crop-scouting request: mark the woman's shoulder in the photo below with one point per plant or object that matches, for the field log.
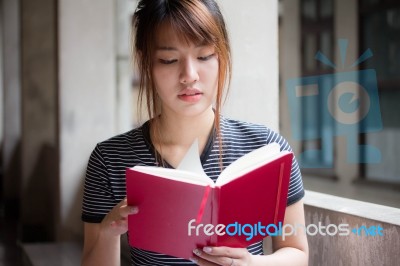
(128, 141)
(243, 130)
(123, 138)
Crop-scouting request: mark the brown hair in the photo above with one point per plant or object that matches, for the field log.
(197, 21)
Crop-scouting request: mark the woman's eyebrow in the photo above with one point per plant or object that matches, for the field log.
(171, 48)
(166, 48)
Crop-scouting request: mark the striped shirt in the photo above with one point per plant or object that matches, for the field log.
(105, 177)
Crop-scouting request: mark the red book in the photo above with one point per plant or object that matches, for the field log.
(180, 210)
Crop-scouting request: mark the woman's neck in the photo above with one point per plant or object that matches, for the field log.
(172, 136)
(183, 130)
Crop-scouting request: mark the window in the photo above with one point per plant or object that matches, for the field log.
(380, 31)
(317, 130)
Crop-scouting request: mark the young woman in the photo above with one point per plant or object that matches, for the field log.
(183, 55)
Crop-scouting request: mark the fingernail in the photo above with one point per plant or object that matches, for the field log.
(207, 249)
(194, 260)
(134, 210)
(197, 252)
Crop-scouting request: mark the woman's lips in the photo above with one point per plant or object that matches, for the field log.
(190, 95)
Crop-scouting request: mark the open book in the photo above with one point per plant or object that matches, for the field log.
(180, 210)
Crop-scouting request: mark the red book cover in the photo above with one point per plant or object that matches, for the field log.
(179, 212)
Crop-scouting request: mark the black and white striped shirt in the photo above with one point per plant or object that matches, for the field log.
(105, 176)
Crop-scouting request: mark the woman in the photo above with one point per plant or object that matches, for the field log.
(183, 55)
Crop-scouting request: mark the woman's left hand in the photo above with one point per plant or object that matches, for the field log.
(222, 256)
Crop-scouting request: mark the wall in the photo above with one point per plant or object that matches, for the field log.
(1, 91)
(352, 249)
(289, 58)
(39, 142)
(346, 27)
(11, 161)
(253, 30)
(87, 96)
(126, 107)
(58, 104)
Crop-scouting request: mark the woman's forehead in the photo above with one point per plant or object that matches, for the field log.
(168, 36)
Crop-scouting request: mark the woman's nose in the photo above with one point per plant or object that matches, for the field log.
(189, 73)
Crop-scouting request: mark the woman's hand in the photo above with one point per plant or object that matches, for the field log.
(222, 256)
(102, 241)
(115, 223)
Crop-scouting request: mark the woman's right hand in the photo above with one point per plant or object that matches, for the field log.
(115, 223)
(102, 241)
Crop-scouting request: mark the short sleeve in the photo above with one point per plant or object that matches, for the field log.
(296, 189)
(98, 197)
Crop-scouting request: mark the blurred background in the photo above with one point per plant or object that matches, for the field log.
(311, 26)
(67, 83)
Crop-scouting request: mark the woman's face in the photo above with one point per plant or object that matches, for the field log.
(185, 74)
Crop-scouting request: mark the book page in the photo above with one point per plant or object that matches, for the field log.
(191, 161)
(189, 170)
(249, 162)
(174, 174)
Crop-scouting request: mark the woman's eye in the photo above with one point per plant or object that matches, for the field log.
(167, 62)
(205, 58)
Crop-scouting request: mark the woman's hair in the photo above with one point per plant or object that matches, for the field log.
(196, 21)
